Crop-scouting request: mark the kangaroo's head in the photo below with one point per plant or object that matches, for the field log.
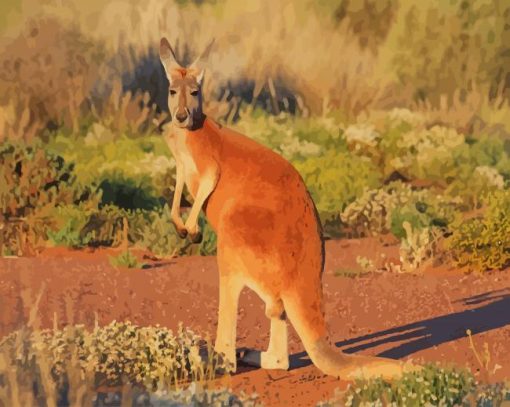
(185, 93)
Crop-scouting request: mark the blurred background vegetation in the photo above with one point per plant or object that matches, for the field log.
(395, 112)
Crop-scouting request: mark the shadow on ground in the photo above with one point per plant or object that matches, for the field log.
(491, 313)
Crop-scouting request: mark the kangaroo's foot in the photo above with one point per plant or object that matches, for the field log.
(265, 360)
(227, 357)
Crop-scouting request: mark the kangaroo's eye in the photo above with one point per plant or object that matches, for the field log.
(194, 92)
(173, 92)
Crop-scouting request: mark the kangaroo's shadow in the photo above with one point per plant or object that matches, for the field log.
(491, 313)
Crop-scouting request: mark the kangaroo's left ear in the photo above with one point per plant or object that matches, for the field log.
(167, 56)
(201, 62)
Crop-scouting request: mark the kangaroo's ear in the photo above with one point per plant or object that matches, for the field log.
(201, 62)
(167, 56)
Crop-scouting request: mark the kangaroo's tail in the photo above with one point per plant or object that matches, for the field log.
(307, 317)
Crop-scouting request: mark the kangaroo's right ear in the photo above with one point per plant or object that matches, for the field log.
(167, 56)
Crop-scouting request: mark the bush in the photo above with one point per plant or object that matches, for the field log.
(70, 234)
(483, 243)
(33, 182)
(125, 259)
(337, 178)
(73, 362)
(384, 210)
(131, 173)
(418, 247)
(432, 386)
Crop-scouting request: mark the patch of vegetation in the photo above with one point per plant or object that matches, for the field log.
(125, 259)
(350, 273)
(483, 242)
(73, 363)
(433, 386)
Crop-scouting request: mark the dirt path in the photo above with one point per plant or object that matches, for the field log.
(423, 317)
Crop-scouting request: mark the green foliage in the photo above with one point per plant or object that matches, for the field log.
(421, 153)
(209, 239)
(125, 259)
(293, 137)
(159, 234)
(33, 182)
(128, 193)
(74, 219)
(384, 210)
(337, 178)
(131, 173)
(483, 243)
(432, 386)
(33, 179)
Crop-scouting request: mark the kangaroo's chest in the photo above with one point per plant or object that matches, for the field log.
(182, 155)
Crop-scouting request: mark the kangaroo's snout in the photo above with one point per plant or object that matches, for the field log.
(181, 117)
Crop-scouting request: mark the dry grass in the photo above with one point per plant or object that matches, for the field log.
(63, 63)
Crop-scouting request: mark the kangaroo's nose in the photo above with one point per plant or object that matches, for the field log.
(181, 116)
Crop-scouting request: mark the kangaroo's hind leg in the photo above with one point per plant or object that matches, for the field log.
(230, 289)
(277, 354)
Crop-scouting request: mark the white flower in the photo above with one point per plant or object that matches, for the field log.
(362, 134)
(493, 177)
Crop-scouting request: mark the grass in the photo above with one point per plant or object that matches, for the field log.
(433, 386)
(350, 273)
(125, 259)
(74, 363)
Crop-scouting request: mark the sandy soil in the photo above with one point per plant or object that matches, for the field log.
(423, 316)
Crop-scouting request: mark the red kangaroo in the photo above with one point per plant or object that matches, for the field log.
(269, 234)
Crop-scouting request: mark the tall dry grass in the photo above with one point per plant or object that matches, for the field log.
(68, 62)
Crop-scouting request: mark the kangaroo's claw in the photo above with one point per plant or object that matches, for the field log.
(182, 233)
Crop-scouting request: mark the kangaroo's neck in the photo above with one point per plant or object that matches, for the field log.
(198, 121)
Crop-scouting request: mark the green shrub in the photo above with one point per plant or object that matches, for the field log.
(384, 210)
(133, 173)
(128, 193)
(482, 167)
(159, 234)
(483, 243)
(209, 239)
(293, 137)
(33, 182)
(432, 386)
(72, 220)
(421, 153)
(337, 178)
(125, 259)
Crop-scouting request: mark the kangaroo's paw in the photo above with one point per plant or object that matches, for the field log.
(182, 232)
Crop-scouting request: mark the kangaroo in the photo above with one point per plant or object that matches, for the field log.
(269, 236)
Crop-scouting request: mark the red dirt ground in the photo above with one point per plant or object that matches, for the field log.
(422, 316)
